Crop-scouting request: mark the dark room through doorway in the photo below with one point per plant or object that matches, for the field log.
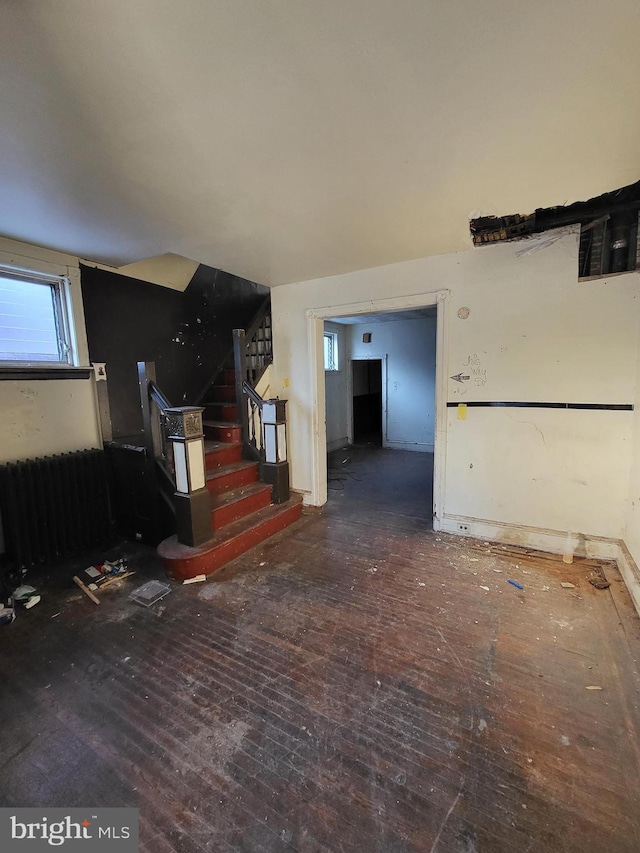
(366, 402)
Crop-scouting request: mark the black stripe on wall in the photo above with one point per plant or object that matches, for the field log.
(610, 407)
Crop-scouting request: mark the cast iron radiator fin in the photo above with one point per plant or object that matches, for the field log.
(54, 506)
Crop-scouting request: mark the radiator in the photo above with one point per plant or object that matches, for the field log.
(54, 506)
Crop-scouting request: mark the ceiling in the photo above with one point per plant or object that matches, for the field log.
(295, 139)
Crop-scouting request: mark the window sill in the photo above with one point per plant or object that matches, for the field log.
(61, 372)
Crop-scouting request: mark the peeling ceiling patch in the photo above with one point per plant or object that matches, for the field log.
(609, 240)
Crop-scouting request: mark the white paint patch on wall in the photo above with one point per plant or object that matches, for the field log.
(336, 394)
(41, 417)
(410, 347)
(539, 335)
(44, 417)
(547, 468)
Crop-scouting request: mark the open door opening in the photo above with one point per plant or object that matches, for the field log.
(366, 401)
(380, 413)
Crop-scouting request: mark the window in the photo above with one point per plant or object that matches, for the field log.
(330, 350)
(34, 323)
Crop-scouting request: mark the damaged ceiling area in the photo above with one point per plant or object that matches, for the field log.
(294, 140)
(608, 230)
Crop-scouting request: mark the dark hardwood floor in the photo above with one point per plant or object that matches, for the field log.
(348, 686)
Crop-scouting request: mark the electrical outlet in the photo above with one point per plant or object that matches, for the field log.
(463, 527)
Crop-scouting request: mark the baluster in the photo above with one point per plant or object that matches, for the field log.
(240, 363)
(252, 422)
(146, 374)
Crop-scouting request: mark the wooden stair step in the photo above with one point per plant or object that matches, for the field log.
(221, 412)
(183, 562)
(228, 507)
(223, 394)
(227, 376)
(219, 453)
(232, 476)
(222, 431)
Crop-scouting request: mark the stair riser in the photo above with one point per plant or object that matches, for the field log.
(221, 516)
(233, 480)
(221, 412)
(223, 456)
(223, 394)
(205, 564)
(223, 433)
(227, 377)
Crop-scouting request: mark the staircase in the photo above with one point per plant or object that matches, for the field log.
(242, 514)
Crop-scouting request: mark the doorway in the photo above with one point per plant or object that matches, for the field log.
(366, 401)
(355, 313)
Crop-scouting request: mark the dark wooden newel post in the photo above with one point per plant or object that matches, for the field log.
(192, 502)
(275, 468)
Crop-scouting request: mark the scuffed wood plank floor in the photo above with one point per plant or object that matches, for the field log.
(350, 686)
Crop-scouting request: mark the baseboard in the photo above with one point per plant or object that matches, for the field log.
(542, 539)
(409, 445)
(630, 574)
(307, 497)
(336, 444)
(553, 541)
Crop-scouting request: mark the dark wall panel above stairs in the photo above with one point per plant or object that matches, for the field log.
(186, 334)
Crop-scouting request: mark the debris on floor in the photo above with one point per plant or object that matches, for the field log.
(26, 596)
(567, 585)
(196, 579)
(516, 584)
(86, 590)
(150, 592)
(7, 612)
(99, 577)
(598, 578)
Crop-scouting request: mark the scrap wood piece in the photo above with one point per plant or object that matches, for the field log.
(117, 578)
(86, 590)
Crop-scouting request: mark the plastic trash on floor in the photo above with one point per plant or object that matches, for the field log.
(150, 592)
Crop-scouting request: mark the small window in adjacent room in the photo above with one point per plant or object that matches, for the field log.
(34, 322)
(330, 351)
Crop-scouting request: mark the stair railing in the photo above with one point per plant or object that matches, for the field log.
(153, 403)
(259, 353)
(263, 423)
(174, 445)
(258, 345)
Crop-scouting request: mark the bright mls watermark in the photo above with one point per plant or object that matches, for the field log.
(79, 830)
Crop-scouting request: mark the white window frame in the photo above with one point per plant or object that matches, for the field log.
(334, 363)
(65, 330)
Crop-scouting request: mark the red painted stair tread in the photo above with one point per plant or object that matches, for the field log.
(228, 543)
(232, 476)
(230, 506)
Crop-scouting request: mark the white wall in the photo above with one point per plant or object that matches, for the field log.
(336, 393)
(410, 349)
(534, 333)
(632, 527)
(40, 417)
